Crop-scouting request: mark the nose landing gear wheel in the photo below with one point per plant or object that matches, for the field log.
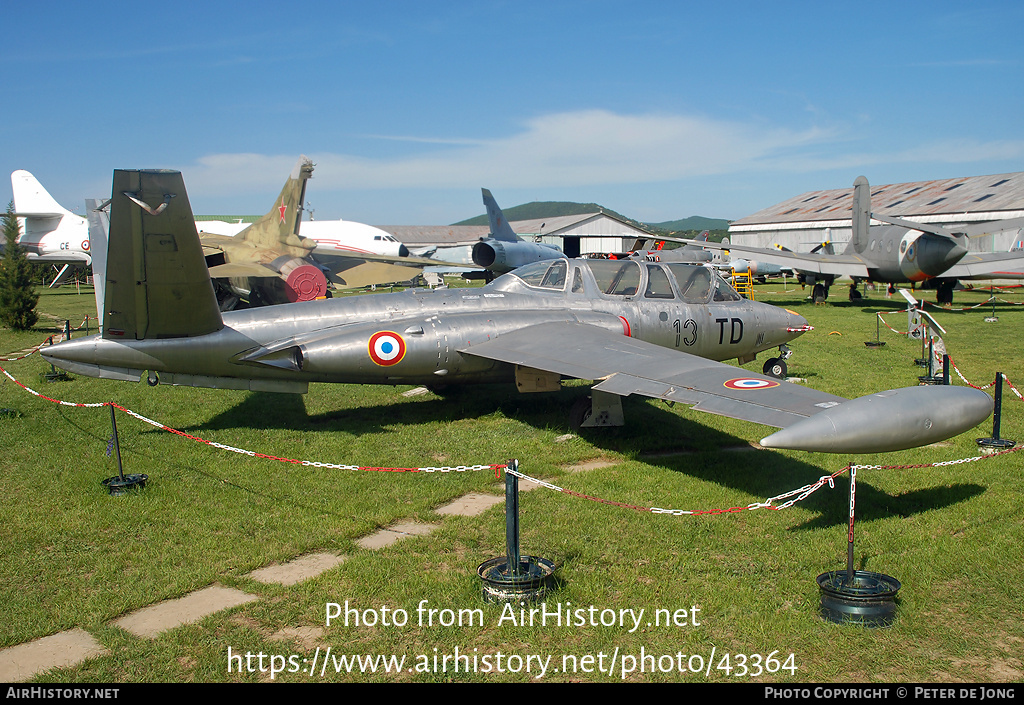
(776, 367)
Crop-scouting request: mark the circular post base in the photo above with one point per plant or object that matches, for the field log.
(116, 485)
(500, 585)
(989, 446)
(870, 601)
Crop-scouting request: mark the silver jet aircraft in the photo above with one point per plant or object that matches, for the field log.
(646, 328)
(899, 251)
(501, 251)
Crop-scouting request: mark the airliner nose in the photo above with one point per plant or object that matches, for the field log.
(403, 251)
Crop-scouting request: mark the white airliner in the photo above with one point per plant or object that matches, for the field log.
(49, 233)
(334, 238)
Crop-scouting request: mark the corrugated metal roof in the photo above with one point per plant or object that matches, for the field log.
(968, 198)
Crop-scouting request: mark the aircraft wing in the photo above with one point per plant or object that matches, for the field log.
(360, 274)
(366, 269)
(629, 366)
(989, 265)
(340, 261)
(242, 269)
(809, 419)
(819, 263)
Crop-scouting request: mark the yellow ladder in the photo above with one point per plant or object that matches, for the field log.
(741, 281)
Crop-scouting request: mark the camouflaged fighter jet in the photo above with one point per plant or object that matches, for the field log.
(268, 262)
(634, 327)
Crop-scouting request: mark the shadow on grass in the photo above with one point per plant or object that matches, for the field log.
(653, 435)
(873, 504)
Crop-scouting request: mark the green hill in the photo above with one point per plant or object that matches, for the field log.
(694, 222)
(544, 209)
(551, 209)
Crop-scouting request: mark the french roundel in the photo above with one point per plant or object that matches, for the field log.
(386, 348)
(750, 383)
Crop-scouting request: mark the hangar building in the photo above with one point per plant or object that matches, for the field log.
(577, 235)
(807, 220)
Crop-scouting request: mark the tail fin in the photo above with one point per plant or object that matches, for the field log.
(500, 229)
(861, 213)
(31, 200)
(279, 228)
(37, 209)
(99, 226)
(157, 282)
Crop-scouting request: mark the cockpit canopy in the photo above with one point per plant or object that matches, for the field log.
(691, 283)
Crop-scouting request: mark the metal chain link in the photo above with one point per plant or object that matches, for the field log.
(797, 495)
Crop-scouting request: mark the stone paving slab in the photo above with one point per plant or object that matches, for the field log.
(21, 662)
(148, 622)
(595, 464)
(295, 571)
(470, 505)
(393, 534)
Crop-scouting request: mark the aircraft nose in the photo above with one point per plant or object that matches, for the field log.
(954, 255)
(796, 321)
(403, 251)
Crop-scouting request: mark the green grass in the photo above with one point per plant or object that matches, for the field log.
(75, 557)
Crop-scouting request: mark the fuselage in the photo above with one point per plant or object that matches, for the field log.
(59, 239)
(333, 237)
(896, 254)
(427, 336)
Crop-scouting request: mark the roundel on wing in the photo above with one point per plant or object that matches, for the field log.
(747, 383)
(386, 348)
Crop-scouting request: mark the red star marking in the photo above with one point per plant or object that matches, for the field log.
(283, 208)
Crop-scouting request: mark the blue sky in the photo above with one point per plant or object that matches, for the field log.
(659, 110)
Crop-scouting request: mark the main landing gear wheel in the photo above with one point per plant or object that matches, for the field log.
(776, 367)
(581, 410)
(819, 294)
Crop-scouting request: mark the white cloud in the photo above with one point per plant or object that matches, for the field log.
(557, 150)
(584, 148)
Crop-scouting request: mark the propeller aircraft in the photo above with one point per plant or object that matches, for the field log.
(895, 252)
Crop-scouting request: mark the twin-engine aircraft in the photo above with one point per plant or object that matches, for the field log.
(898, 251)
(634, 327)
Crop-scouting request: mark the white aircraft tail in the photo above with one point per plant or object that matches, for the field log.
(31, 200)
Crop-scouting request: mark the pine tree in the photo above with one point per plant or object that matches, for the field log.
(17, 296)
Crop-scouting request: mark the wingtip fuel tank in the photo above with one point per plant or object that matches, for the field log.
(887, 421)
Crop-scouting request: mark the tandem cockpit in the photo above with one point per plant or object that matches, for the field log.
(629, 279)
